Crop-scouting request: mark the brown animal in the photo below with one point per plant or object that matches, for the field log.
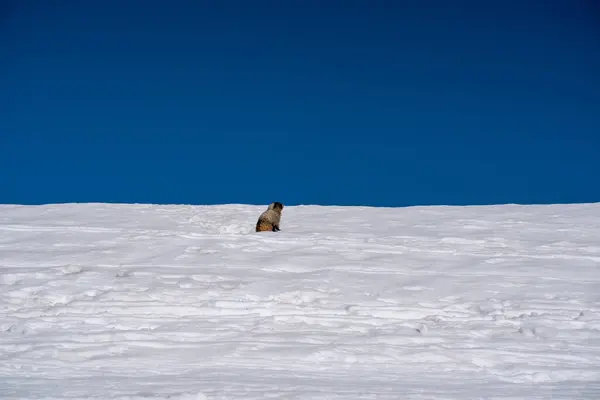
(269, 220)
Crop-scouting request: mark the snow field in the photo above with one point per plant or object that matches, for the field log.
(187, 302)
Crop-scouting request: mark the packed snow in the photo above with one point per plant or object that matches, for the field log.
(114, 301)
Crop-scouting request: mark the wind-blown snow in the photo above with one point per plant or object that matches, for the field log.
(187, 302)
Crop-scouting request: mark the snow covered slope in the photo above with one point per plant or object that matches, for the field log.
(143, 301)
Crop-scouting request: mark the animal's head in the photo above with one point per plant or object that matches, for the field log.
(276, 206)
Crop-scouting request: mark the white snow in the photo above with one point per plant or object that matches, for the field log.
(187, 302)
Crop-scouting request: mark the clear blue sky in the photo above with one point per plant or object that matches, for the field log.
(383, 103)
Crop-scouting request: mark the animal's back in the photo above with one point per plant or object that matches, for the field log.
(267, 221)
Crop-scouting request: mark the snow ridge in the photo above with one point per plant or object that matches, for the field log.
(187, 302)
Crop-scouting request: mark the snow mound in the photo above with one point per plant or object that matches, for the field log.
(117, 301)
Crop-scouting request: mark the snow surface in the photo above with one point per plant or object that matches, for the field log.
(187, 302)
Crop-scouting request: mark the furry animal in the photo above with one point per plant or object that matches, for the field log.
(269, 220)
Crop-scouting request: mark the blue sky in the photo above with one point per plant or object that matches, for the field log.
(382, 103)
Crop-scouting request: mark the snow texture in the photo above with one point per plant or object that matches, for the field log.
(188, 302)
